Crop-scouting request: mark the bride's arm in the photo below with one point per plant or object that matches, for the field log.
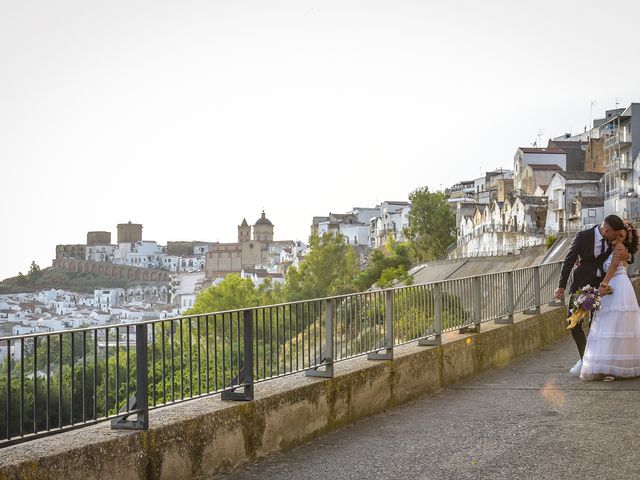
(619, 253)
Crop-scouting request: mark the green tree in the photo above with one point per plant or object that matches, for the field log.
(230, 294)
(431, 224)
(329, 269)
(34, 270)
(386, 267)
(390, 275)
(270, 293)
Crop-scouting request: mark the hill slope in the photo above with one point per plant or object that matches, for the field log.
(52, 277)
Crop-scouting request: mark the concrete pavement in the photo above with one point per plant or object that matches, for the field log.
(530, 420)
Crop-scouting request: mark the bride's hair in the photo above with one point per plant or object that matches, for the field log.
(631, 242)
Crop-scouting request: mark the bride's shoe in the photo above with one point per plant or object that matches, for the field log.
(575, 370)
(608, 378)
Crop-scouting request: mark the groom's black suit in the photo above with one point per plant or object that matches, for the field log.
(587, 273)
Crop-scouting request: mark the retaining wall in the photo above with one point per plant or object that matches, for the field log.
(208, 436)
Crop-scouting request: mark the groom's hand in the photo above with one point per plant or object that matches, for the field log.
(560, 293)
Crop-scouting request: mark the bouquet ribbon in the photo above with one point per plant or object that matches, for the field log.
(577, 317)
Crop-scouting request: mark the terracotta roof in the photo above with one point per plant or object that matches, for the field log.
(554, 151)
(545, 166)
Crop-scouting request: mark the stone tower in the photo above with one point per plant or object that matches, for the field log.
(263, 229)
(129, 232)
(244, 232)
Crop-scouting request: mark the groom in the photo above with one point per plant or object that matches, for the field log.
(590, 248)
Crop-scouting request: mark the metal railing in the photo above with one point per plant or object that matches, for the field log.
(611, 141)
(52, 382)
(619, 164)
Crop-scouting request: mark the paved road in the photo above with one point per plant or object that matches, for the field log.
(530, 420)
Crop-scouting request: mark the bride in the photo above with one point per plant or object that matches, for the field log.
(613, 345)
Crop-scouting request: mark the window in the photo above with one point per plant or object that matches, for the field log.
(592, 213)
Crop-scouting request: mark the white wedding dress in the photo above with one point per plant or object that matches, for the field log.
(613, 344)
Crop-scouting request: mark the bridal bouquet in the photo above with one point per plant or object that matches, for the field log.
(585, 301)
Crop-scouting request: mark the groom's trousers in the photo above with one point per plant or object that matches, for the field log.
(580, 338)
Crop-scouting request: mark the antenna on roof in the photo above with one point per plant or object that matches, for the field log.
(540, 134)
(618, 101)
(593, 103)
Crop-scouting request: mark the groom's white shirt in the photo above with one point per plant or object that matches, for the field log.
(597, 244)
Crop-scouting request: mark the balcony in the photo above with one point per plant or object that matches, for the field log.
(618, 138)
(622, 166)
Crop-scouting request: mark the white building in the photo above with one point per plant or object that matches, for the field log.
(392, 221)
(586, 211)
(186, 302)
(622, 165)
(107, 297)
(346, 224)
(101, 253)
(258, 276)
(502, 227)
(144, 254)
(563, 188)
(536, 156)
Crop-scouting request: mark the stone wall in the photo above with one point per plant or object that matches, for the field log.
(124, 272)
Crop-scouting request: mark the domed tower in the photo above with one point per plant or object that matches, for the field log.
(244, 232)
(263, 229)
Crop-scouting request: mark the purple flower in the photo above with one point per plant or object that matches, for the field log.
(588, 304)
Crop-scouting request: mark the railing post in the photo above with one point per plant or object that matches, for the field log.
(537, 294)
(437, 319)
(142, 375)
(476, 302)
(140, 400)
(508, 318)
(561, 302)
(245, 376)
(327, 358)
(388, 330)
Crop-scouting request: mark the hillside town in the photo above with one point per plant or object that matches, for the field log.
(165, 279)
(572, 182)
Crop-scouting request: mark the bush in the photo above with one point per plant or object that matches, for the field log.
(549, 241)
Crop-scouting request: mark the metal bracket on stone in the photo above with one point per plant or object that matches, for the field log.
(122, 423)
(241, 382)
(318, 371)
(557, 303)
(387, 355)
(430, 339)
(471, 328)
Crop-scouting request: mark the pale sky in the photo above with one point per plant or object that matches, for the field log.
(187, 116)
